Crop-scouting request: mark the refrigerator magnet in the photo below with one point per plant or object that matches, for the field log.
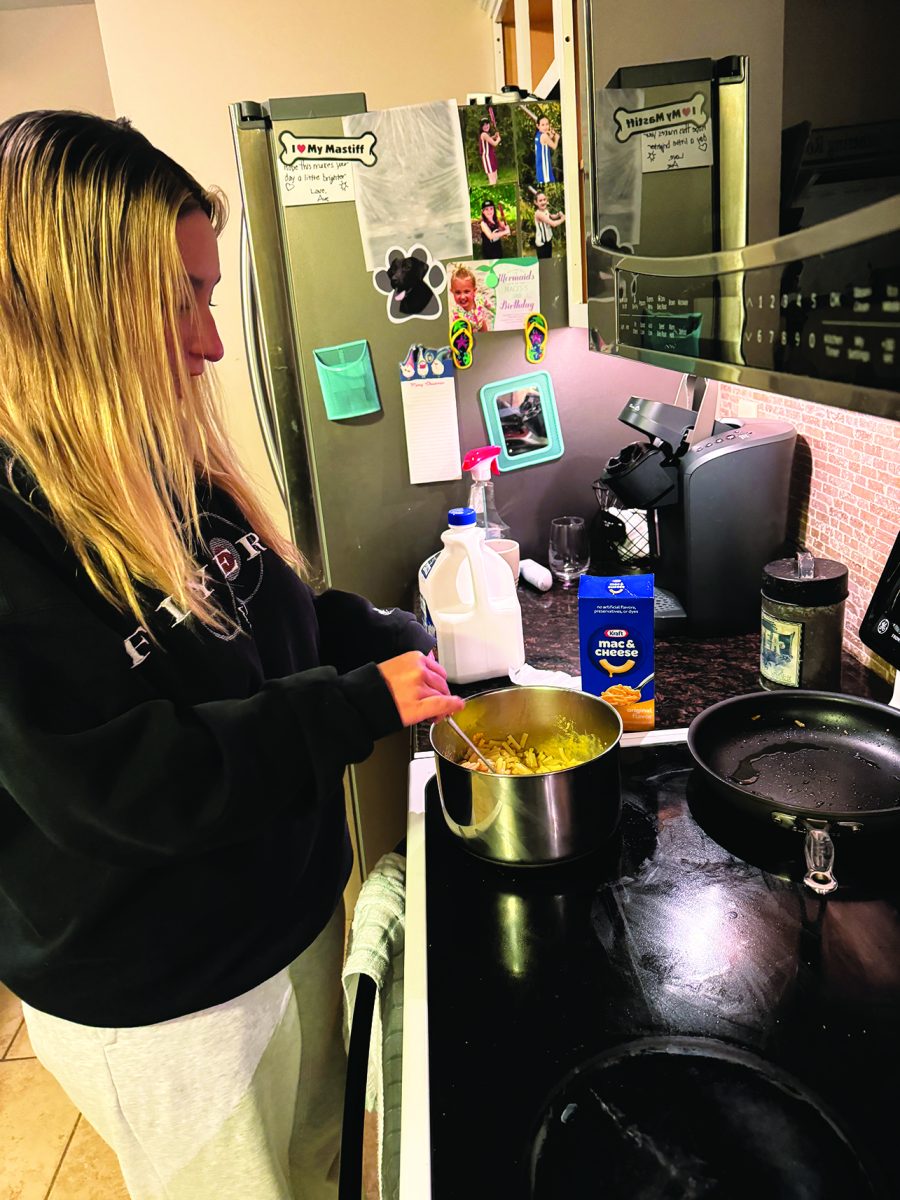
(494, 294)
(347, 380)
(316, 170)
(521, 417)
(461, 343)
(412, 282)
(535, 337)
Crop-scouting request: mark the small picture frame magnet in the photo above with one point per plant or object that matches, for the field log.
(347, 380)
(522, 418)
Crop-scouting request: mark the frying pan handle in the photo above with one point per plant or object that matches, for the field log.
(819, 851)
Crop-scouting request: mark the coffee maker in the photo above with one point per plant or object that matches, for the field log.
(880, 629)
(716, 496)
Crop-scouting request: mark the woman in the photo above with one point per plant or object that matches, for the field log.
(177, 708)
(488, 144)
(493, 230)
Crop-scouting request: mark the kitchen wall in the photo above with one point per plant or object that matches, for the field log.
(174, 68)
(845, 497)
(52, 58)
(590, 390)
(845, 493)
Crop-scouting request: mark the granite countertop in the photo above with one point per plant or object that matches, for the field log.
(691, 672)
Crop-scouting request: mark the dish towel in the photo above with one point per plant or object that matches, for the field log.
(375, 948)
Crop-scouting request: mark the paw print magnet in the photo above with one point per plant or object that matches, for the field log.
(412, 281)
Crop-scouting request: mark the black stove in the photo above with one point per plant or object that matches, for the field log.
(673, 1016)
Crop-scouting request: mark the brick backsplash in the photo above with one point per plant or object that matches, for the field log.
(845, 492)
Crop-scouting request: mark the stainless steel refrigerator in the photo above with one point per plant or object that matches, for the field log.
(353, 512)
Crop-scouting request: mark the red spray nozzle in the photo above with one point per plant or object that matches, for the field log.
(480, 455)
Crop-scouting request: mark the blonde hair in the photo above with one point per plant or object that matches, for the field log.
(463, 273)
(112, 433)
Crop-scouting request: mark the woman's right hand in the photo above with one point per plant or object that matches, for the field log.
(418, 684)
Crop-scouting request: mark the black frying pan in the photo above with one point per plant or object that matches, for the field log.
(814, 761)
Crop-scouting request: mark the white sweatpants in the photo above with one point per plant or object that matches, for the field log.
(241, 1101)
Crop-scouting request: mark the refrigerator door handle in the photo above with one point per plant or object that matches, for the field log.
(256, 363)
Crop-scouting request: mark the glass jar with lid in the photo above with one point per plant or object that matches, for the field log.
(802, 623)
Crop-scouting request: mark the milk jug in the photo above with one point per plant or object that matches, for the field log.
(471, 596)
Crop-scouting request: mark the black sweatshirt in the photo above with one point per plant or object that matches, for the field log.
(172, 827)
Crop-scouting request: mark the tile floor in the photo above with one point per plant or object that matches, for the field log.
(47, 1149)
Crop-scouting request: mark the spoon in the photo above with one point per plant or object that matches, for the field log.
(459, 733)
(644, 681)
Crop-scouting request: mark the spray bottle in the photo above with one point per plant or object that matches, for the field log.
(482, 463)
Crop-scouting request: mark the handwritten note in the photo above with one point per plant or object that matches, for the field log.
(675, 149)
(308, 182)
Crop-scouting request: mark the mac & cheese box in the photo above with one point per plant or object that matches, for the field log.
(615, 633)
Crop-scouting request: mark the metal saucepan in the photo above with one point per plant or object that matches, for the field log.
(817, 762)
(530, 819)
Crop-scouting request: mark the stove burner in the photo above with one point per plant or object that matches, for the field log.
(621, 854)
(685, 1118)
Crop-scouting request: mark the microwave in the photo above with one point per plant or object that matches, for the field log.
(741, 180)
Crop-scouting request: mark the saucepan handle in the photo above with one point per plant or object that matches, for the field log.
(819, 851)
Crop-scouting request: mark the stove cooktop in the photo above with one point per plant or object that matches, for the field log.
(673, 1016)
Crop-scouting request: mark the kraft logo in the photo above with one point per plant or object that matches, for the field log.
(615, 633)
(616, 586)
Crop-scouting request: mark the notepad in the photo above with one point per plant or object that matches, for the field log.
(432, 430)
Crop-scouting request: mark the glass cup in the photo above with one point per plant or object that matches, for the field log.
(569, 553)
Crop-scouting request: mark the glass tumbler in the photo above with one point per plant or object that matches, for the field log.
(569, 553)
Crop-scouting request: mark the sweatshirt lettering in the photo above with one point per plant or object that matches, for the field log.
(199, 585)
(134, 644)
(252, 545)
(177, 614)
(138, 646)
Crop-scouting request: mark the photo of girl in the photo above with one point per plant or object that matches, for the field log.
(489, 143)
(494, 294)
(538, 144)
(468, 299)
(493, 229)
(543, 221)
(494, 215)
(545, 139)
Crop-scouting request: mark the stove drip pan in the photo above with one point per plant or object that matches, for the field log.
(686, 1118)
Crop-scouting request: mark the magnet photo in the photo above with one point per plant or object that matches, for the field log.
(490, 145)
(542, 220)
(412, 282)
(539, 149)
(495, 221)
(494, 294)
